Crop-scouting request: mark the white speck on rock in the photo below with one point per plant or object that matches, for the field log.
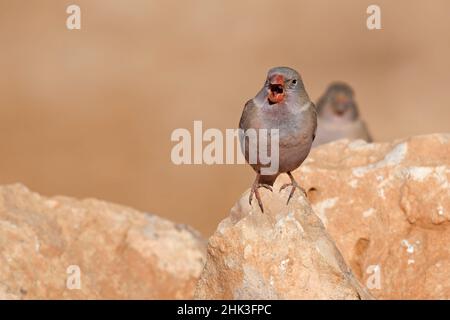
(368, 212)
(419, 173)
(356, 144)
(394, 157)
(322, 206)
(247, 251)
(289, 217)
(229, 262)
(411, 261)
(51, 203)
(360, 171)
(440, 210)
(305, 169)
(440, 175)
(83, 211)
(409, 247)
(283, 264)
(253, 283)
(360, 145)
(353, 183)
(37, 245)
(443, 138)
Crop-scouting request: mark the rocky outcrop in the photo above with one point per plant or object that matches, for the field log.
(62, 248)
(283, 253)
(387, 206)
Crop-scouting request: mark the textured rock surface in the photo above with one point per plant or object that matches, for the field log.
(120, 252)
(388, 208)
(284, 253)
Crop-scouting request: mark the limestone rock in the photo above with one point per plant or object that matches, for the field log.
(387, 206)
(118, 253)
(283, 253)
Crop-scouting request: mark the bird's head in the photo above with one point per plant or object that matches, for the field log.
(281, 84)
(338, 102)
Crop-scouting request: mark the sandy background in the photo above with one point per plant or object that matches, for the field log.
(89, 113)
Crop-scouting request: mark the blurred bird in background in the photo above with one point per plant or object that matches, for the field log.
(338, 116)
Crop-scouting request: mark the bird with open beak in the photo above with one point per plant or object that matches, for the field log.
(338, 116)
(282, 104)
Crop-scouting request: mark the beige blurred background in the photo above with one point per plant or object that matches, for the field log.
(89, 113)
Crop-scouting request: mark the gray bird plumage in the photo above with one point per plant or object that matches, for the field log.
(282, 104)
(338, 116)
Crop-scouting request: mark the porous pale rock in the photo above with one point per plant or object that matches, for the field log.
(387, 206)
(117, 252)
(283, 253)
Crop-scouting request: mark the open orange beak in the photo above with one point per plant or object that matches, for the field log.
(276, 89)
(341, 102)
(342, 99)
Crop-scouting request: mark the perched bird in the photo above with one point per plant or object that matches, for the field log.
(281, 104)
(338, 116)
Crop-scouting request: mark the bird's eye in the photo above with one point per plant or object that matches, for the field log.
(294, 82)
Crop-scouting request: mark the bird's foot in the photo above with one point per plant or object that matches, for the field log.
(255, 191)
(294, 186)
